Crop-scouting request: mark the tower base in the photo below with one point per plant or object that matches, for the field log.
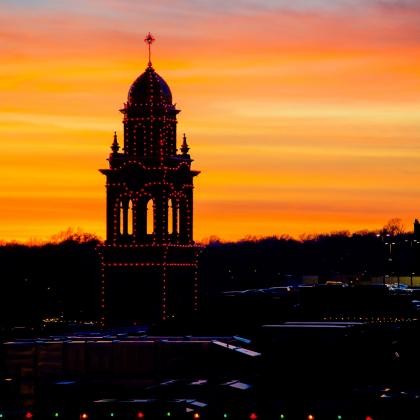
(148, 283)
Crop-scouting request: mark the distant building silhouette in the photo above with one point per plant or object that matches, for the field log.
(416, 229)
(149, 259)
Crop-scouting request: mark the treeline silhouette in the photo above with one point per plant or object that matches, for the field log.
(341, 256)
(61, 279)
(57, 280)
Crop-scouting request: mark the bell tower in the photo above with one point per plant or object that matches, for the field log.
(149, 259)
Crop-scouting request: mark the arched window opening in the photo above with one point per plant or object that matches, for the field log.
(170, 216)
(130, 220)
(178, 218)
(121, 218)
(150, 218)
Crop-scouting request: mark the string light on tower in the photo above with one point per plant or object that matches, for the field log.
(150, 171)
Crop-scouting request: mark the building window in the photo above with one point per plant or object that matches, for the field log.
(121, 218)
(150, 226)
(180, 222)
(130, 220)
(170, 216)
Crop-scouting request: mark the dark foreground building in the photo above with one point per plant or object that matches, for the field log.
(149, 259)
(291, 371)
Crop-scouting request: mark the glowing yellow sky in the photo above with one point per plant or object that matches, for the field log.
(302, 118)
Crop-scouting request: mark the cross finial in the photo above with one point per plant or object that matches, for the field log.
(149, 40)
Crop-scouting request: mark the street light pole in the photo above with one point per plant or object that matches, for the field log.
(411, 259)
(413, 248)
(379, 236)
(390, 258)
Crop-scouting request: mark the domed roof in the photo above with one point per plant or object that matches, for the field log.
(149, 87)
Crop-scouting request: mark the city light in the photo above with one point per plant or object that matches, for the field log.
(253, 416)
(28, 415)
(168, 414)
(282, 416)
(56, 414)
(84, 416)
(196, 415)
(311, 417)
(140, 415)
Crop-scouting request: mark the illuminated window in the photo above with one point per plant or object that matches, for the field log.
(150, 218)
(121, 218)
(170, 217)
(130, 220)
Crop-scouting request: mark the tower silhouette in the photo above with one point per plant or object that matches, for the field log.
(149, 259)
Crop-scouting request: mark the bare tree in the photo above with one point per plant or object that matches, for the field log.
(394, 226)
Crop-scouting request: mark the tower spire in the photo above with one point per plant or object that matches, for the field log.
(115, 146)
(149, 40)
(184, 146)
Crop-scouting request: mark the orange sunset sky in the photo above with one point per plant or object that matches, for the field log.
(303, 115)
